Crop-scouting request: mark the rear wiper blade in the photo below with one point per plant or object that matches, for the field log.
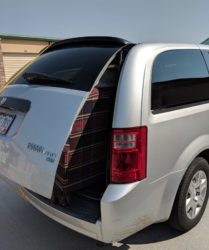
(44, 79)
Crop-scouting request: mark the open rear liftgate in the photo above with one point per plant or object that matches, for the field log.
(77, 136)
(84, 157)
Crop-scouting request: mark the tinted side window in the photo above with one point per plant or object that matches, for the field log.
(179, 77)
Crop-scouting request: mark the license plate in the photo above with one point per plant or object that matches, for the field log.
(6, 121)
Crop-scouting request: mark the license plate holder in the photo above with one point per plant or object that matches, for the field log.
(6, 121)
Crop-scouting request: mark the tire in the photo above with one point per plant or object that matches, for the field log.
(184, 215)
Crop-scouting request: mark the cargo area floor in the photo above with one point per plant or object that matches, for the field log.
(81, 207)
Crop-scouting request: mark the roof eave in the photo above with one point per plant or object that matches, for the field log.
(28, 38)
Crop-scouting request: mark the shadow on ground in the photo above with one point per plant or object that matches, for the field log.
(152, 234)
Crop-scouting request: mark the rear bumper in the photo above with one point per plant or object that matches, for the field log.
(125, 209)
(89, 229)
(121, 213)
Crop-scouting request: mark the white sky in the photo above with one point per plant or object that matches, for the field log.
(134, 20)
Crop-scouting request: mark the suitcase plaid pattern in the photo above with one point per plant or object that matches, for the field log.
(84, 156)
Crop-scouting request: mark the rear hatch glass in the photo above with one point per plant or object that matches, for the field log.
(74, 68)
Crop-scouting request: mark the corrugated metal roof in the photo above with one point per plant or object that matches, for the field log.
(29, 38)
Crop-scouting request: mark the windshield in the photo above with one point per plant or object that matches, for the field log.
(74, 68)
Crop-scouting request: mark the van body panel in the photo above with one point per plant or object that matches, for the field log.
(173, 138)
(33, 151)
(129, 108)
(127, 112)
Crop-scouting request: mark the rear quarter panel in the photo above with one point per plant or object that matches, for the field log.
(175, 138)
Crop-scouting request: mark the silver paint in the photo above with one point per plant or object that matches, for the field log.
(48, 124)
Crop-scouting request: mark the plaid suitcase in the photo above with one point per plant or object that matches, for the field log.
(83, 160)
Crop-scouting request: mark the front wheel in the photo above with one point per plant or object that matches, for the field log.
(192, 196)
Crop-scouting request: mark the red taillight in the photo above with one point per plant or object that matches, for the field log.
(129, 153)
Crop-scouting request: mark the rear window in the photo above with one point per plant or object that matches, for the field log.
(179, 77)
(73, 68)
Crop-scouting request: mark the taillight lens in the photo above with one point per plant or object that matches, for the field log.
(129, 153)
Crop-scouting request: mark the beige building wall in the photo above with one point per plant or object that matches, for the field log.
(14, 54)
(2, 73)
(22, 46)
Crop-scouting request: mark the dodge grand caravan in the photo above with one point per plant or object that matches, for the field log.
(107, 137)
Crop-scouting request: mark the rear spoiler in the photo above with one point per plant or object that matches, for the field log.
(89, 40)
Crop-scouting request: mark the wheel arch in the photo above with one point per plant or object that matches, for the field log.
(198, 148)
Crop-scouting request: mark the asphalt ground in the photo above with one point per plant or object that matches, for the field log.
(25, 228)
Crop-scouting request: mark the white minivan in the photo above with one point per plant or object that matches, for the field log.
(108, 137)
